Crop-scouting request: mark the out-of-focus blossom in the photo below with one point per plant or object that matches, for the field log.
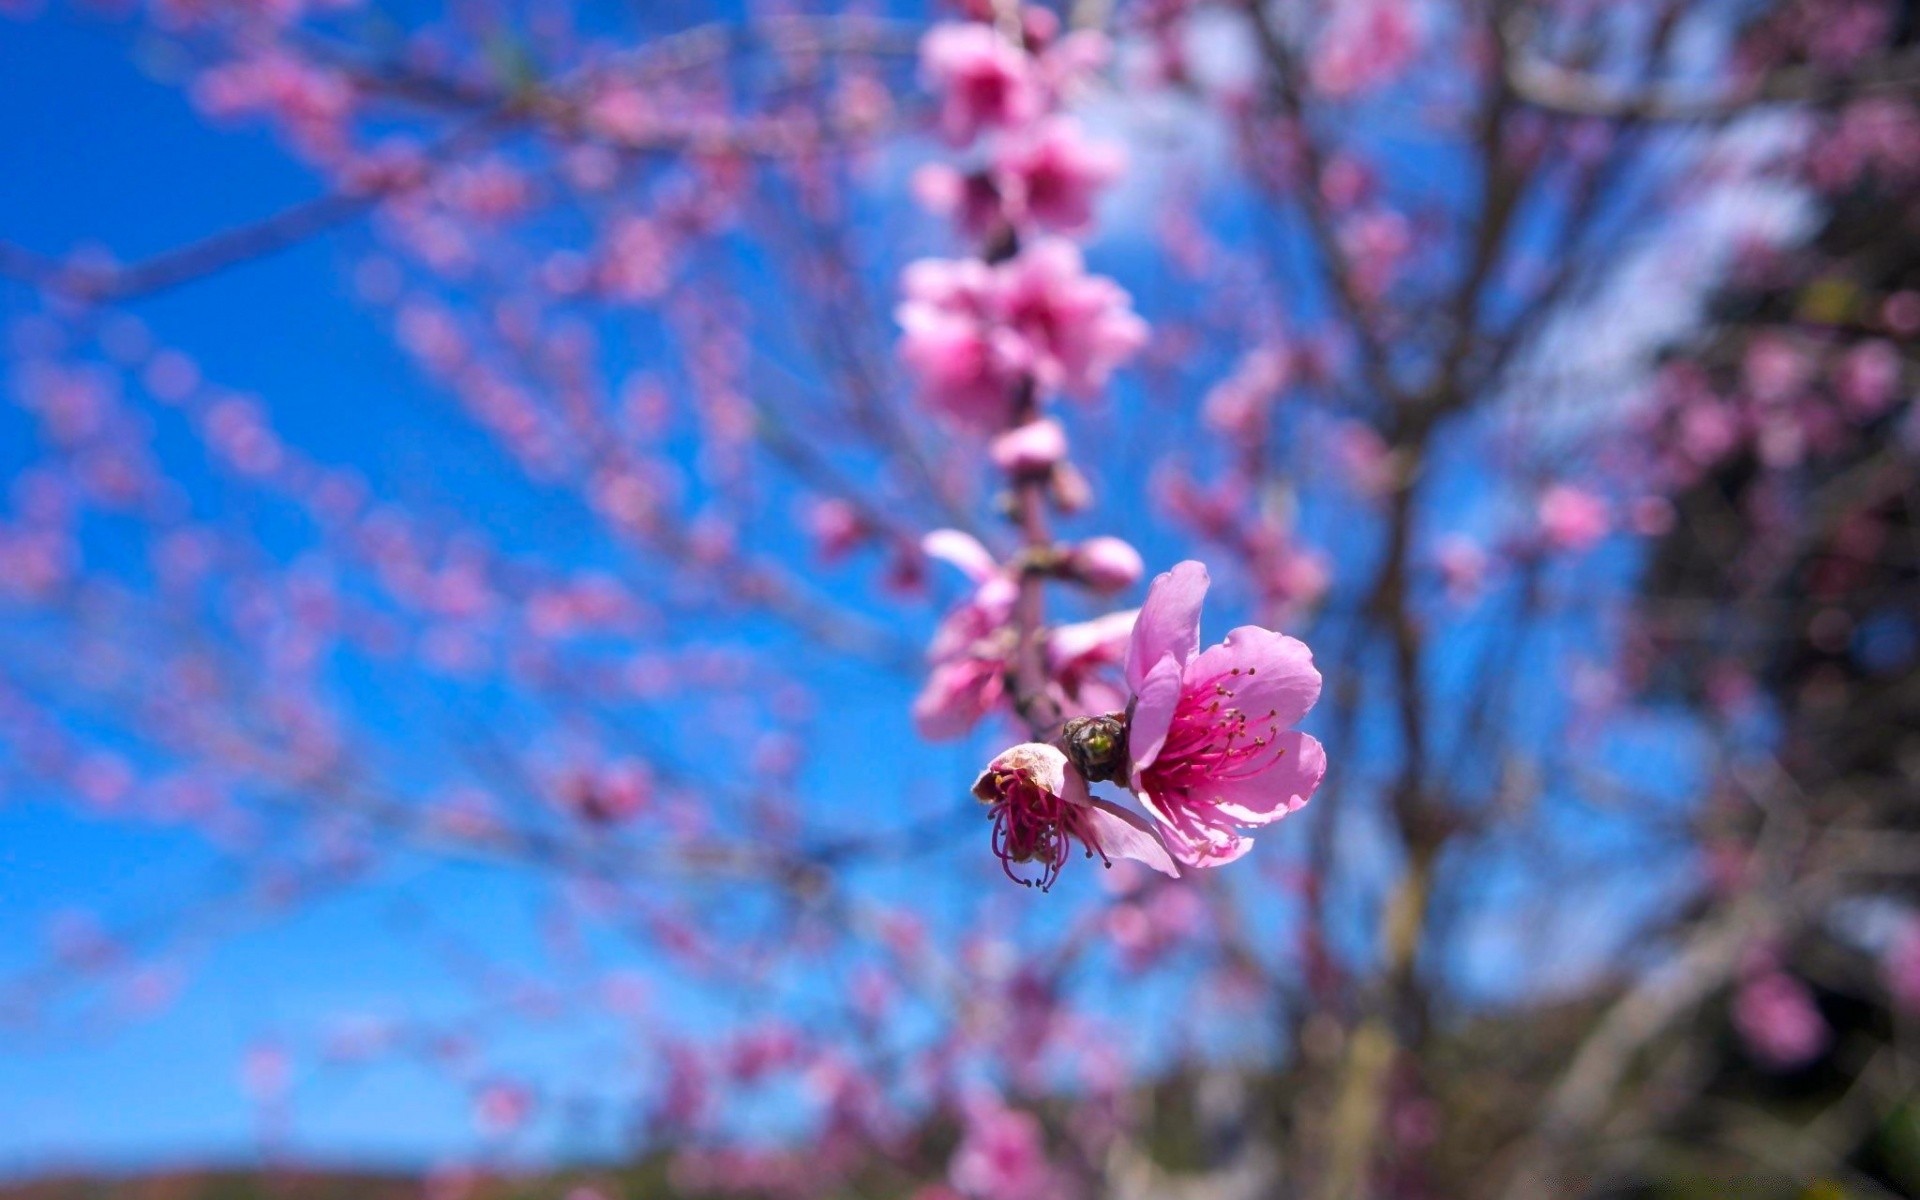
(1777, 1018)
(1082, 656)
(611, 795)
(1002, 1155)
(1376, 243)
(1238, 404)
(1050, 178)
(1366, 44)
(1210, 747)
(1040, 807)
(837, 528)
(1572, 519)
(969, 651)
(1868, 378)
(965, 360)
(1073, 328)
(1034, 448)
(972, 333)
(1105, 564)
(1463, 567)
(984, 82)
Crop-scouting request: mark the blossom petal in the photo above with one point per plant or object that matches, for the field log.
(1153, 705)
(1116, 832)
(1284, 787)
(1272, 673)
(962, 550)
(1102, 636)
(1169, 621)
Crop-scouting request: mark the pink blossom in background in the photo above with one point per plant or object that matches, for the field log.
(984, 82)
(1084, 659)
(1040, 809)
(1776, 368)
(837, 528)
(1868, 378)
(1072, 329)
(1365, 45)
(1902, 967)
(1031, 449)
(967, 364)
(970, 649)
(1002, 1155)
(1105, 564)
(1776, 1017)
(972, 332)
(1572, 519)
(1210, 748)
(1463, 567)
(1052, 175)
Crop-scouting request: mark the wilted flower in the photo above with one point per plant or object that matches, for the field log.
(1208, 731)
(1040, 806)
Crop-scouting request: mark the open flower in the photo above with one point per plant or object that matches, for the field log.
(1040, 807)
(971, 648)
(1208, 732)
(984, 81)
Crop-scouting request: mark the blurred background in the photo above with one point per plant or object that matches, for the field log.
(480, 716)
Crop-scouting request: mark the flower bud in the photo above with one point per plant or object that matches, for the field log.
(1106, 564)
(1031, 449)
(1069, 489)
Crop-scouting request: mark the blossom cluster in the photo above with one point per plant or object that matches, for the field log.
(1204, 740)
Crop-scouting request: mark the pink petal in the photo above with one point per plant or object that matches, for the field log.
(1169, 621)
(1285, 787)
(1276, 674)
(1154, 702)
(1118, 833)
(961, 550)
(1101, 636)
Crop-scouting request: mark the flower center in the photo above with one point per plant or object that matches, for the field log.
(1212, 739)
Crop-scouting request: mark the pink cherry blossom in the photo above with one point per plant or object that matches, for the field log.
(965, 361)
(1366, 45)
(1039, 806)
(1073, 329)
(1571, 518)
(1777, 1018)
(1002, 1155)
(1084, 659)
(1050, 178)
(1868, 378)
(971, 647)
(1208, 732)
(1032, 449)
(971, 332)
(1105, 564)
(984, 81)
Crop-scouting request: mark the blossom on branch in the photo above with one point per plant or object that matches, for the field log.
(1040, 806)
(1208, 733)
